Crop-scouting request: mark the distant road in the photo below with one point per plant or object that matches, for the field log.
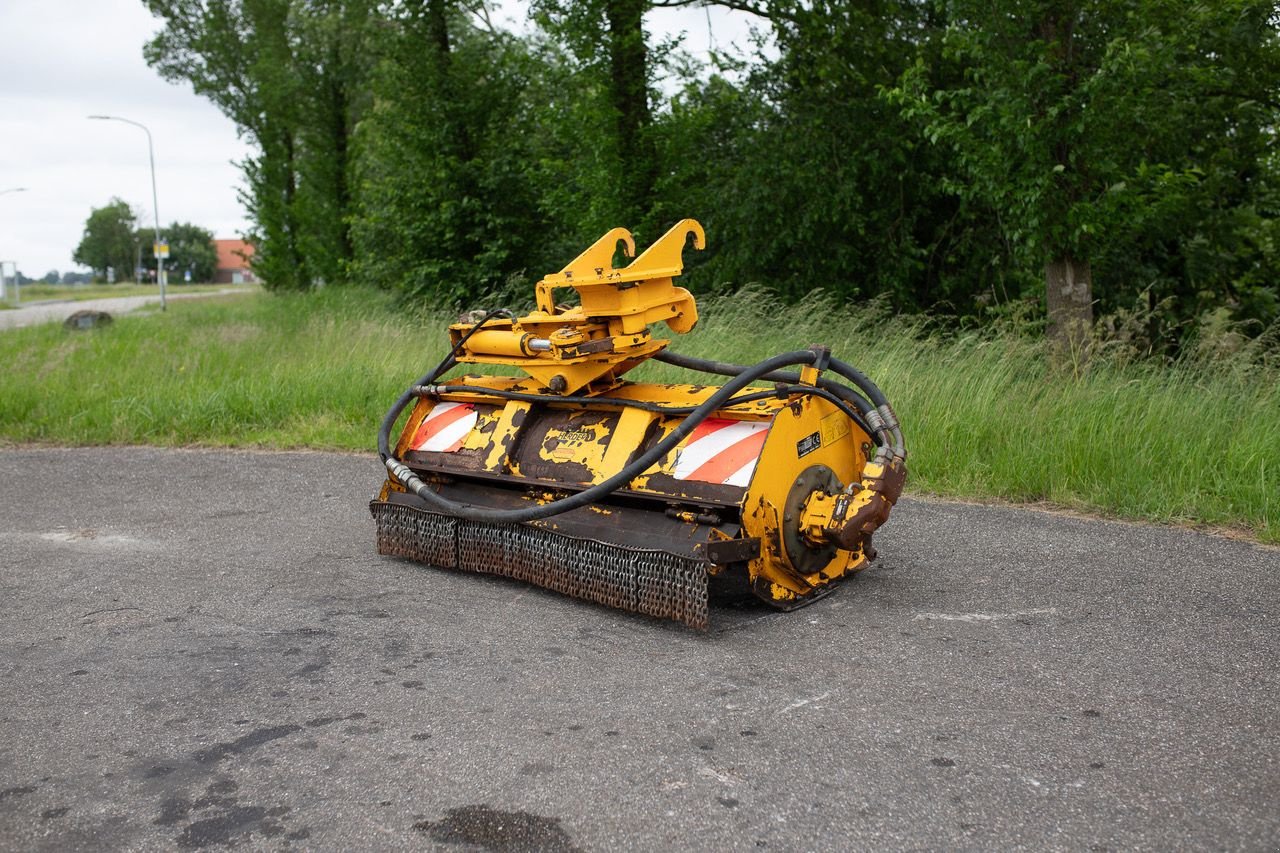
(45, 312)
(200, 649)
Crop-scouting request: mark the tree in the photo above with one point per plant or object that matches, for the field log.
(290, 74)
(108, 240)
(616, 85)
(629, 97)
(809, 177)
(190, 248)
(448, 204)
(944, 156)
(51, 277)
(1092, 127)
(238, 54)
(333, 58)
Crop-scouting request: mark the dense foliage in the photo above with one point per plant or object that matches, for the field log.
(190, 250)
(112, 239)
(1113, 162)
(109, 240)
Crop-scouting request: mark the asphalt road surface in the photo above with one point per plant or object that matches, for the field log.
(59, 310)
(201, 650)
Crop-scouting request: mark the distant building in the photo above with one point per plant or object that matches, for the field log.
(233, 262)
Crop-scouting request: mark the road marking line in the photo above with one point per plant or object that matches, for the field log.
(984, 617)
(800, 703)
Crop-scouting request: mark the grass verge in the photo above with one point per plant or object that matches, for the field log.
(984, 417)
(80, 292)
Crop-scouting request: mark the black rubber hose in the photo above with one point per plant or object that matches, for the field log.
(888, 437)
(724, 368)
(884, 410)
(445, 365)
(716, 401)
(882, 438)
(857, 377)
(833, 399)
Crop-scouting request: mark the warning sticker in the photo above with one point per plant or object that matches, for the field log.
(808, 444)
(721, 451)
(835, 426)
(445, 428)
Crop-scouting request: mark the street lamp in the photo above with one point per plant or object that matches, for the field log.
(14, 190)
(155, 204)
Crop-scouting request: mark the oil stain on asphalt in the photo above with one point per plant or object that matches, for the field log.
(498, 831)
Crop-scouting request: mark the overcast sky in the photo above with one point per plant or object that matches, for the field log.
(64, 60)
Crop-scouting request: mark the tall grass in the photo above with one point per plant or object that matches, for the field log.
(983, 414)
(272, 371)
(986, 417)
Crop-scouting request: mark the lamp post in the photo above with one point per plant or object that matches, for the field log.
(16, 287)
(155, 204)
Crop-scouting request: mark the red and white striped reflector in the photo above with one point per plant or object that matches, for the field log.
(721, 451)
(445, 428)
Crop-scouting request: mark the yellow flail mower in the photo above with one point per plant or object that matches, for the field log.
(636, 495)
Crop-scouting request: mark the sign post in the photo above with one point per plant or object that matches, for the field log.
(4, 290)
(161, 248)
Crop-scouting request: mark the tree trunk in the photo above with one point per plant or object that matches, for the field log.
(629, 94)
(289, 217)
(437, 26)
(437, 14)
(1069, 297)
(339, 117)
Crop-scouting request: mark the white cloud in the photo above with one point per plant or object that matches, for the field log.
(64, 60)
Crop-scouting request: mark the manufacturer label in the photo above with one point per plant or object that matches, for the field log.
(808, 444)
(570, 443)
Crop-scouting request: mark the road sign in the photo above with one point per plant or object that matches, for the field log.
(161, 250)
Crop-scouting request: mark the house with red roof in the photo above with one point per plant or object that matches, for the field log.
(234, 257)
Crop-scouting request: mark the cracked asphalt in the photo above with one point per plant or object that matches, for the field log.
(201, 650)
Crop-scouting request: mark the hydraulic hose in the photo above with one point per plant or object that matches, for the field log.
(877, 420)
(883, 409)
(411, 481)
(445, 365)
(724, 368)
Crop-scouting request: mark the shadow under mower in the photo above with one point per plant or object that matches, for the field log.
(633, 494)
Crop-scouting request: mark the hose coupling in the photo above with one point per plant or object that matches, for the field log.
(890, 419)
(875, 422)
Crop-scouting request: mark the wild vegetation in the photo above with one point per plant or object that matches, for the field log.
(1107, 167)
(986, 417)
(113, 240)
